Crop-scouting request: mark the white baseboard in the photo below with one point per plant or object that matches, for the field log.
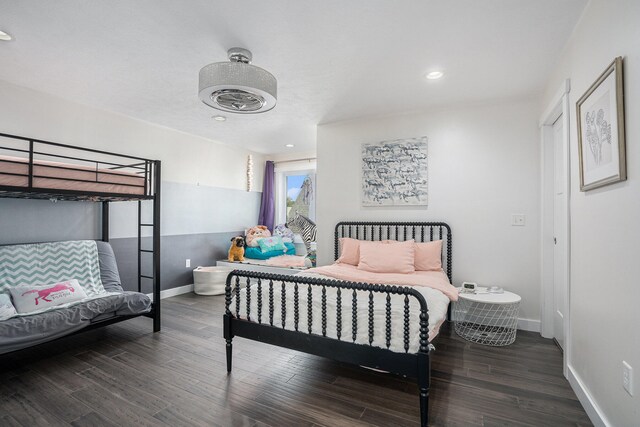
(529, 325)
(174, 291)
(593, 411)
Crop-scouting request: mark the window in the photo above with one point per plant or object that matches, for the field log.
(295, 190)
(300, 195)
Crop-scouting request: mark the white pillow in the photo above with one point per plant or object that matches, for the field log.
(7, 310)
(27, 299)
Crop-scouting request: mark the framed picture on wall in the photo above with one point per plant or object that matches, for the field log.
(394, 173)
(600, 117)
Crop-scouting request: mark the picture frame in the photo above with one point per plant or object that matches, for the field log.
(395, 173)
(601, 134)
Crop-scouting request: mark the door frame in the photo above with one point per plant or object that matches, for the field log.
(557, 109)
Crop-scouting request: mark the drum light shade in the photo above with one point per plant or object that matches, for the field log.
(237, 86)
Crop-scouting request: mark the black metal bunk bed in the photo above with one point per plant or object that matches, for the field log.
(260, 326)
(52, 171)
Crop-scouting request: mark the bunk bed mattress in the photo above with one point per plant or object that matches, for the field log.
(25, 331)
(437, 302)
(49, 175)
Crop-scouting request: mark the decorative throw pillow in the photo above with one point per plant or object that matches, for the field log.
(7, 310)
(380, 257)
(27, 299)
(429, 256)
(273, 243)
(283, 231)
(349, 251)
(254, 233)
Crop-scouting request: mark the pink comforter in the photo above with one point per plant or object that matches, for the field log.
(433, 279)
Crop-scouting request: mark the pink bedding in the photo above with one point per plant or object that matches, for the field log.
(433, 279)
(107, 180)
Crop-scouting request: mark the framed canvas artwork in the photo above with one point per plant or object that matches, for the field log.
(394, 173)
(601, 143)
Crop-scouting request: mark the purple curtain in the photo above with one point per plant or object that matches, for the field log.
(268, 206)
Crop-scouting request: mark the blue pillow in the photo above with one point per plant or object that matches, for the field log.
(256, 253)
(273, 243)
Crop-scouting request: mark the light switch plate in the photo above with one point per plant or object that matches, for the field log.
(517, 220)
(187, 263)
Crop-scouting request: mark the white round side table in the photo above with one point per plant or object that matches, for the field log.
(488, 319)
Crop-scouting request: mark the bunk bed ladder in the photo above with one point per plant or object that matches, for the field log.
(155, 250)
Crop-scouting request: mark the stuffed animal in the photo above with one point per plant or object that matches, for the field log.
(303, 226)
(236, 251)
(283, 231)
(310, 260)
(255, 233)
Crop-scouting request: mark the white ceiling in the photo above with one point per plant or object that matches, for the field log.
(334, 59)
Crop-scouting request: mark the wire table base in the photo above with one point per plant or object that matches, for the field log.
(487, 323)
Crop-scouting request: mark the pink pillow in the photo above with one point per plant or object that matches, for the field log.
(429, 256)
(380, 257)
(350, 251)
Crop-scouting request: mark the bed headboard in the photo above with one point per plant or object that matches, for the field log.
(419, 231)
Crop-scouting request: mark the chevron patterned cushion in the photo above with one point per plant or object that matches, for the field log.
(45, 263)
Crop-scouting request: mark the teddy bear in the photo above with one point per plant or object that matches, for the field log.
(255, 233)
(236, 251)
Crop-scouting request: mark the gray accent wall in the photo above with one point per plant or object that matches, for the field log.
(201, 249)
(197, 224)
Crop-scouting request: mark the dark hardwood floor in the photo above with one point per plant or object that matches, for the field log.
(125, 375)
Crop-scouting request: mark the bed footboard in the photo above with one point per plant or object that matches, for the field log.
(254, 300)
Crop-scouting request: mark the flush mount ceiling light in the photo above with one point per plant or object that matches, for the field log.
(219, 118)
(289, 145)
(5, 36)
(434, 75)
(237, 86)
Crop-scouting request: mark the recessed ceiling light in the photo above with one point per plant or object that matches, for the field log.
(434, 75)
(219, 118)
(5, 36)
(289, 145)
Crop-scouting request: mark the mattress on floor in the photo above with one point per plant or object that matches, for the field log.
(437, 302)
(25, 331)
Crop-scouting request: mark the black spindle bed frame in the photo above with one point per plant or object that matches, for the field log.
(413, 365)
(106, 169)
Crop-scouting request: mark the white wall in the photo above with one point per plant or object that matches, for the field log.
(201, 173)
(186, 158)
(293, 155)
(483, 167)
(605, 223)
